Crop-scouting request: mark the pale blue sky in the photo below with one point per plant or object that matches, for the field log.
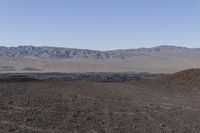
(100, 24)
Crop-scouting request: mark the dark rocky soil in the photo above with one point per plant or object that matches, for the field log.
(92, 76)
(138, 106)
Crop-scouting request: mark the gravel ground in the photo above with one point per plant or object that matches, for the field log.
(139, 106)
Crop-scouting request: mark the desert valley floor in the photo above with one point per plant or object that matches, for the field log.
(164, 104)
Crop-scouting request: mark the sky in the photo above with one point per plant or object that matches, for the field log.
(100, 24)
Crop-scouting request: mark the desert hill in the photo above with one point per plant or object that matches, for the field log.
(190, 76)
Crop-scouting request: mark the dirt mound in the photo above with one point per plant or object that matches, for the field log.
(190, 76)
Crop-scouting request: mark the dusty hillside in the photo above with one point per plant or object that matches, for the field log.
(190, 77)
(186, 75)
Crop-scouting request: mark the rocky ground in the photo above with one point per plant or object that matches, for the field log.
(92, 76)
(164, 104)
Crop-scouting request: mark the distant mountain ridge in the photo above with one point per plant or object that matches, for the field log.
(160, 59)
(70, 53)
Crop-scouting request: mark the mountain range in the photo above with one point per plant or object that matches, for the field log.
(69, 53)
(160, 59)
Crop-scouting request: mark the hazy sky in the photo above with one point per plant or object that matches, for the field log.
(100, 24)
